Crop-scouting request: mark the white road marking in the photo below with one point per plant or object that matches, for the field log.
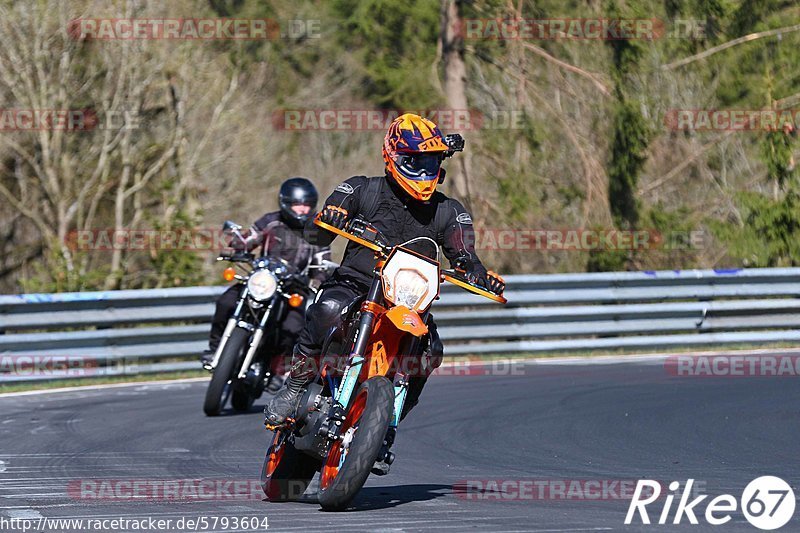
(27, 513)
(10, 507)
(599, 359)
(101, 453)
(41, 495)
(103, 386)
(532, 530)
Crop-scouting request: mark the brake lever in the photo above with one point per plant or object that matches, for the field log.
(464, 277)
(366, 231)
(237, 258)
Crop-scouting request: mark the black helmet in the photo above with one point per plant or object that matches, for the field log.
(297, 191)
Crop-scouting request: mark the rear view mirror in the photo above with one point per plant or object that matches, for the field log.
(330, 266)
(327, 266)
(230, 226)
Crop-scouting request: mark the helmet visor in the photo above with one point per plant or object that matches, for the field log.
(422, 167)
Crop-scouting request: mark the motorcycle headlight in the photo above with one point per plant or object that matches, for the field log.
(262, 285)
(410, 280)
(409, 288)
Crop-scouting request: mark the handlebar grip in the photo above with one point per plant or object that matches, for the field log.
(245, 257)
(375, 246)
(456, 278)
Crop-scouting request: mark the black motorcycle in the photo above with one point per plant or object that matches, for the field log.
(241, 364)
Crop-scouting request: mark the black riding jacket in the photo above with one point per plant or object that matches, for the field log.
(399, 218)
(278, 239)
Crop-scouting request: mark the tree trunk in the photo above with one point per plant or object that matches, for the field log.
(454, 84)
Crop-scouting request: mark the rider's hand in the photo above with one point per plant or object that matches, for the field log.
(334, 216)
(252, 239)
(494, 282)
(491, 281)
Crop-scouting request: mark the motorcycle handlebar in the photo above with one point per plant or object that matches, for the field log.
(451, 276)
(239, 257)
(360, 231)
(455, 278)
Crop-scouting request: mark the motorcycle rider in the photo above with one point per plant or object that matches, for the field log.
(402, 205)
(280, 235)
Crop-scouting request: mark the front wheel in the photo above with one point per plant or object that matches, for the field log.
(218, 390)
(242, 399)
(246, 392)
(350, 459)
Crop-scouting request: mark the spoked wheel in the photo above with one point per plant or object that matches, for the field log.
(219, 388)
(286, 472)
(350, 459)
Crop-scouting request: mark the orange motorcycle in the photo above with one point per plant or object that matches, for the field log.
(340, 424)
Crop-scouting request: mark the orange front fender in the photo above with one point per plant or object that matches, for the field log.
(407, 320)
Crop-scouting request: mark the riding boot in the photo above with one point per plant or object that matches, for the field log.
(285, 402)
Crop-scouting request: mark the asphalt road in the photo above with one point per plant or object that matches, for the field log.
(69, 454)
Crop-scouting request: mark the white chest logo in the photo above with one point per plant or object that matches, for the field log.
(345, 188)
(464, 218)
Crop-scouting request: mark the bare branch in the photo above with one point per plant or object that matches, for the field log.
(32, 215)
(572, 68)
(724, 46)
(218, 109)
(683, 164)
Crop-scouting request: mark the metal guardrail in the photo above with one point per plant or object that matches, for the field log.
(137, 330)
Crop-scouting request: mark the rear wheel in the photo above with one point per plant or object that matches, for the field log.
(350, 459)
(286, 472)
(218, 389)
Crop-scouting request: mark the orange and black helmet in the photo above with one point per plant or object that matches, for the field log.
(413, 150)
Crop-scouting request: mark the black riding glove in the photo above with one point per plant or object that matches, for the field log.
(334, 216)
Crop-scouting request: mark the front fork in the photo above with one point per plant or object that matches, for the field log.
(400, 394)
(345, 391)
(401, 383)
(256, 340)
(226, 334)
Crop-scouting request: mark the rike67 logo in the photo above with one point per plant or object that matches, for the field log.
(767, 503)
